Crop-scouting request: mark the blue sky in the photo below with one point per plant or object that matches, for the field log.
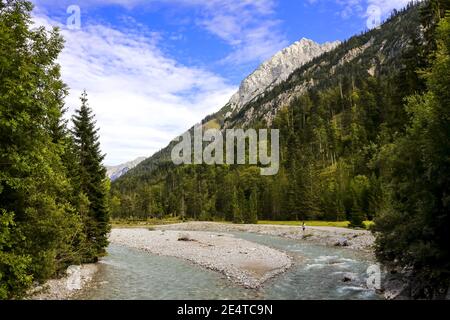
(153, 68)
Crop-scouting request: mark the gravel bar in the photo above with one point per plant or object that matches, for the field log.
(243, 262)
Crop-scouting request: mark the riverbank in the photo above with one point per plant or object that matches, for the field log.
(362, 240)
(243, 262)
(76, 279)
(210, 245)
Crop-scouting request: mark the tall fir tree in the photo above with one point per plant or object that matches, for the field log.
(37, 222)
(236, 209)
(91, 182)
(252, 215)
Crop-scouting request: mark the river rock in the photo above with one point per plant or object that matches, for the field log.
(343, 242)
(76, 278)
(346, 279)
(350, 277)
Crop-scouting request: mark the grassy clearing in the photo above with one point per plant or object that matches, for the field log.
(339, 224)
(123, 223)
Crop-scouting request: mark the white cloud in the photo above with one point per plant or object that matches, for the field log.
(141, 98)
(248, 26)
(350, 8)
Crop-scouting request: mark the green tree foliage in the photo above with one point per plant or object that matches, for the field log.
(33, 184)
(414, 230)
(41, 232)
(91, 181)
(14, 276)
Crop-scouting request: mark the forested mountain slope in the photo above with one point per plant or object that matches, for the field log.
(269, 74)
(333, 113)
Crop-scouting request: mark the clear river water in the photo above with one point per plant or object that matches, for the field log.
(318, 273)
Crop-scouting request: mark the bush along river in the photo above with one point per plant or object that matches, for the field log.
(317, 272)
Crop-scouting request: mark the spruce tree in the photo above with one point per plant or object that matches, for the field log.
(37, 222)
(91, 182)
(252, 216)
(236, 206)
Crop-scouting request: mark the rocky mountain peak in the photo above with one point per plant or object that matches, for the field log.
(277, 69)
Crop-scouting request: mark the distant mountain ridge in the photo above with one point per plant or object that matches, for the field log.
(115, 172)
